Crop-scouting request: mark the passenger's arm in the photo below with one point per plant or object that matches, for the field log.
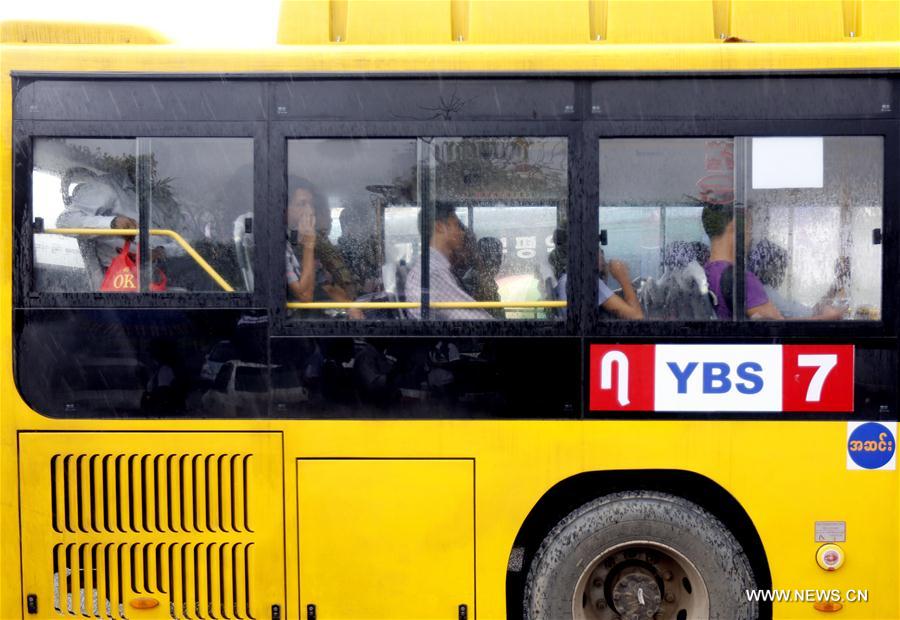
(766, 312)
(338, 294)
(630, 306)
(302, 289)
(88, 201)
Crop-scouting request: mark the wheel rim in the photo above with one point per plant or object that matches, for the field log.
(640, 580)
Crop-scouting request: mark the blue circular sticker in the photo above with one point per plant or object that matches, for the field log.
(871, 445)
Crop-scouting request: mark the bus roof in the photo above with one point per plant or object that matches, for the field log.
(383, 36)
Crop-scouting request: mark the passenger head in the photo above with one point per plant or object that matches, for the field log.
(717, 220)
(490, 254)
(303, 196)
(449, 234)
(768, 261)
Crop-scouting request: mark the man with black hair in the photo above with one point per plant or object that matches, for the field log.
(447, 238)
(718, 223)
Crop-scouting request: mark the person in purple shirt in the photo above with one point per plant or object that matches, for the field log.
(718, 222)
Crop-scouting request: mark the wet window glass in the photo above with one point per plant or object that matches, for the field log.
(352, 228)
(497, 242)
(665, 204)
(81, 185)
(815, 217)
(199, 197)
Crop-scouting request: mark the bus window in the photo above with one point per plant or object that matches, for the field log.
(85, 183)
(352, 227)
(815, 217)
(654, 255)
(509, 196)
(200, 189)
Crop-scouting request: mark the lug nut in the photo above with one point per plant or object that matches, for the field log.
(670, 598)
(601, 604)
(667, 575)
(597, 582)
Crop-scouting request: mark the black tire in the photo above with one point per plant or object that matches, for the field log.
(607, 523)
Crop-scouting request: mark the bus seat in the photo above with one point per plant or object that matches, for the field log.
(243, 247)
(681, 293)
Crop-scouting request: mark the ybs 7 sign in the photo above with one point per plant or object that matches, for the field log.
(743, 377)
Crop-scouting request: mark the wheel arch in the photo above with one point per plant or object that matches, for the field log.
(570, 493)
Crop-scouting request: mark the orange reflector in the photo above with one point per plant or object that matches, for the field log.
(827, 607)
(145, 602)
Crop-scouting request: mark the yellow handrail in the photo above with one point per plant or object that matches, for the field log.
(309, 305)
(396, 305)
(157, 232)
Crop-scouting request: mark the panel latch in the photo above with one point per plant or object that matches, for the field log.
(31, 603)
(463, 612)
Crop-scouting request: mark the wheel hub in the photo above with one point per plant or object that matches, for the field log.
(636, 594)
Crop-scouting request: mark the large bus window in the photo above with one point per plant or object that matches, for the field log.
(815, 217)
(498, 204)
(199, 200)
(663, 203)
(352, 228)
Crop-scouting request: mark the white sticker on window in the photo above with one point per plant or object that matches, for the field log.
(788, 163)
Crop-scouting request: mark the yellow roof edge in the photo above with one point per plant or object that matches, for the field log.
(38, 32)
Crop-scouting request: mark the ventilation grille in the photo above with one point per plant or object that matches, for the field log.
(150, 493)
(131, 525)
(199, 580)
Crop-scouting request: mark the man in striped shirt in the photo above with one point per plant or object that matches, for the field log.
(446, 238)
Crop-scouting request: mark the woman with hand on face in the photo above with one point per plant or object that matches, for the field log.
(314, 269)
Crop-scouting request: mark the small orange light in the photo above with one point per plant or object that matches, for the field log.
(828, 607)
(144, 602)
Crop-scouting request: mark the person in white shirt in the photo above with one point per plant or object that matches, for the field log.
(446, 238)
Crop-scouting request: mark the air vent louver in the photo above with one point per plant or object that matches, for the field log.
(179, 530)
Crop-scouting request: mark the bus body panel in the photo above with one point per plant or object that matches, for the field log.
(785, 474)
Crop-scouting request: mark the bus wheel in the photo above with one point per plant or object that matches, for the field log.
(639, 555)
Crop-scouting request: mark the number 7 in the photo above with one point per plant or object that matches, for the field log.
(824, 364)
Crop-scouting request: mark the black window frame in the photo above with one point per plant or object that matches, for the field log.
(283, 132)
(26, 131)
(271, 124)
(740, 328)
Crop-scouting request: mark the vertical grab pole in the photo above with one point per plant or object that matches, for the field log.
(426, 221)
(143, 190)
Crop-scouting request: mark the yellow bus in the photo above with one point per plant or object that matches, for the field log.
(454, 309)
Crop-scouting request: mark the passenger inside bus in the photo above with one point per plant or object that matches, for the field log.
(480, 280)
(314, 268)
(102, 201)
(627, 306)
(769, 262)
(718, 222)
(447, 240)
